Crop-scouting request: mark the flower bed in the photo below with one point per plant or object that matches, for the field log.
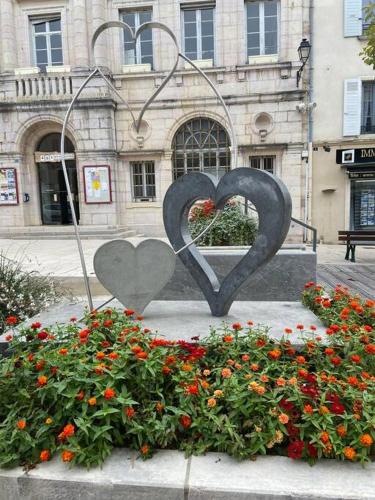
(81, 391)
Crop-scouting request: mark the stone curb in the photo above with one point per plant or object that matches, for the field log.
(169, 476)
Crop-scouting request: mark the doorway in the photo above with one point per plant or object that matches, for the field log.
(54, 204)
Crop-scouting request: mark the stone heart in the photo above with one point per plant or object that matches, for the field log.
(273, 203)
(135, 35)
(134, 275)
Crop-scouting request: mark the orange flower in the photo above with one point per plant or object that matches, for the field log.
(145, 449)
(288, 330)
(165, 370)
(185, 421)
(283, 418)
(205, 384)
(308, 409)
(230, 362)
(245, 357)
(92, 401)
(142, 355)
(274, 354)
(254, 367)
(113, 355)
(264, 378)
(44, 456)
(366, 440)
(67, 456)
(323, 410)
(80, 395)
(250, 323)
(324, 437)
(136, 348)
(353, 381)
(281, 382)
(159, 407)
(130, 412)
(42, 380)
(100, 355)
(21, 424)
(260, 390)
(226, 373)
(63, 351)
(206, 373)
(341, 431)
(349, 453)
(186, 367)
(109, 393)
(211, 402)
(228, 338)
(293, 381)
(218, 393)
(68, 430)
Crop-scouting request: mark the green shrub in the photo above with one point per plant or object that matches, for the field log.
(23, 294)
(81, 390)
(232, 228)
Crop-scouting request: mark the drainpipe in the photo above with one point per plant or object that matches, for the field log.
(310, 96)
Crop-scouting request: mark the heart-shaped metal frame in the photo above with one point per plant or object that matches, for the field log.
(137, 122)
(274, 206)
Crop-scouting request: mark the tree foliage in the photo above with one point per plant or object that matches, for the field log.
(368, 53)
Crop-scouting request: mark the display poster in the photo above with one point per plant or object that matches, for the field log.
(97, 180)
(367, 208)
(8, 186)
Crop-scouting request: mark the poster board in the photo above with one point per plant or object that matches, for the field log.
(8, 186)
(97, 183)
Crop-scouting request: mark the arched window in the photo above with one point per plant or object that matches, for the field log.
(201, 145)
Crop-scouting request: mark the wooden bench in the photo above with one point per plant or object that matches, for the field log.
(353, 238)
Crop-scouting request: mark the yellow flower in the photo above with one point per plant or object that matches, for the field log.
(48, 421)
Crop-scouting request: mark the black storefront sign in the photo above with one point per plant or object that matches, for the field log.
(358, 156)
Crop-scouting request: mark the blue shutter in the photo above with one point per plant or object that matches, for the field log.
(352, 107)
(352, 17)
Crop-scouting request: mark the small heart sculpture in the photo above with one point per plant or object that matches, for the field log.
(134, 275)
(135, 35)
(273, 203)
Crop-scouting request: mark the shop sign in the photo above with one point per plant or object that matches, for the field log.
(355, 156)
(52, 157)
(361, 175)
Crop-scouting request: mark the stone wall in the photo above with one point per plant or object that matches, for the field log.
(101, 128)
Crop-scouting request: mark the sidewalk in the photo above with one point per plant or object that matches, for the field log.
(61, 257)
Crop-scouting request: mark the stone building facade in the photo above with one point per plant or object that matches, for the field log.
(247, 48)
(343, 187)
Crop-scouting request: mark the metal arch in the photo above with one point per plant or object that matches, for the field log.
(137, 123)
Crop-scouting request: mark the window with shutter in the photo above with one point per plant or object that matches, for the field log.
(352, 17)
(352, 107)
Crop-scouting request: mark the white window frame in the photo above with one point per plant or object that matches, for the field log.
(46, 19)
(198, 9)
(261, 30)
(138, 53)
(262, 158)
(139, 199)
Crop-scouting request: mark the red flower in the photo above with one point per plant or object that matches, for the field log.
(109, 393)
(337, 408)
(237, 326)
(11, 320)
(42, 335)
(336, 360)
(295, 449)
(185, 421)
(293, 431)
(300, 327)
(260, 343)
(370, 348)
(130, 412)
(36, 325)
(192, 389)
(107, 323)
(44, 455)
(129, 312)
(368, 328)
(80, 395)
(312, 451)
(83, 334)
(355, 358)
(286, 405)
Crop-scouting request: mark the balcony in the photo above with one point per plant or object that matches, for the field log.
(43, 86)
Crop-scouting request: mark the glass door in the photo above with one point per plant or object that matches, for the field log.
(55, 208)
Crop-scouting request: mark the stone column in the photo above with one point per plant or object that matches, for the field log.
(80, 40)
(99, 16)
(8, 55)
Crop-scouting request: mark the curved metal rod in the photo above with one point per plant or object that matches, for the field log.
(69, 191)
(229, 117)
(113, 88)
(218, 212)
(149, 25)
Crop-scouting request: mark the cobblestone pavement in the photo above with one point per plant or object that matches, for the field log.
(60, 258)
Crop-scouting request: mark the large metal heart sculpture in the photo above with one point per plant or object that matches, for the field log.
(273, 203)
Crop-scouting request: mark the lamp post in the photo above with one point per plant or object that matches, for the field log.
(304, 50)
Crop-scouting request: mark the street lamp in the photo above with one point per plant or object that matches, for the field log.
(304, 50)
